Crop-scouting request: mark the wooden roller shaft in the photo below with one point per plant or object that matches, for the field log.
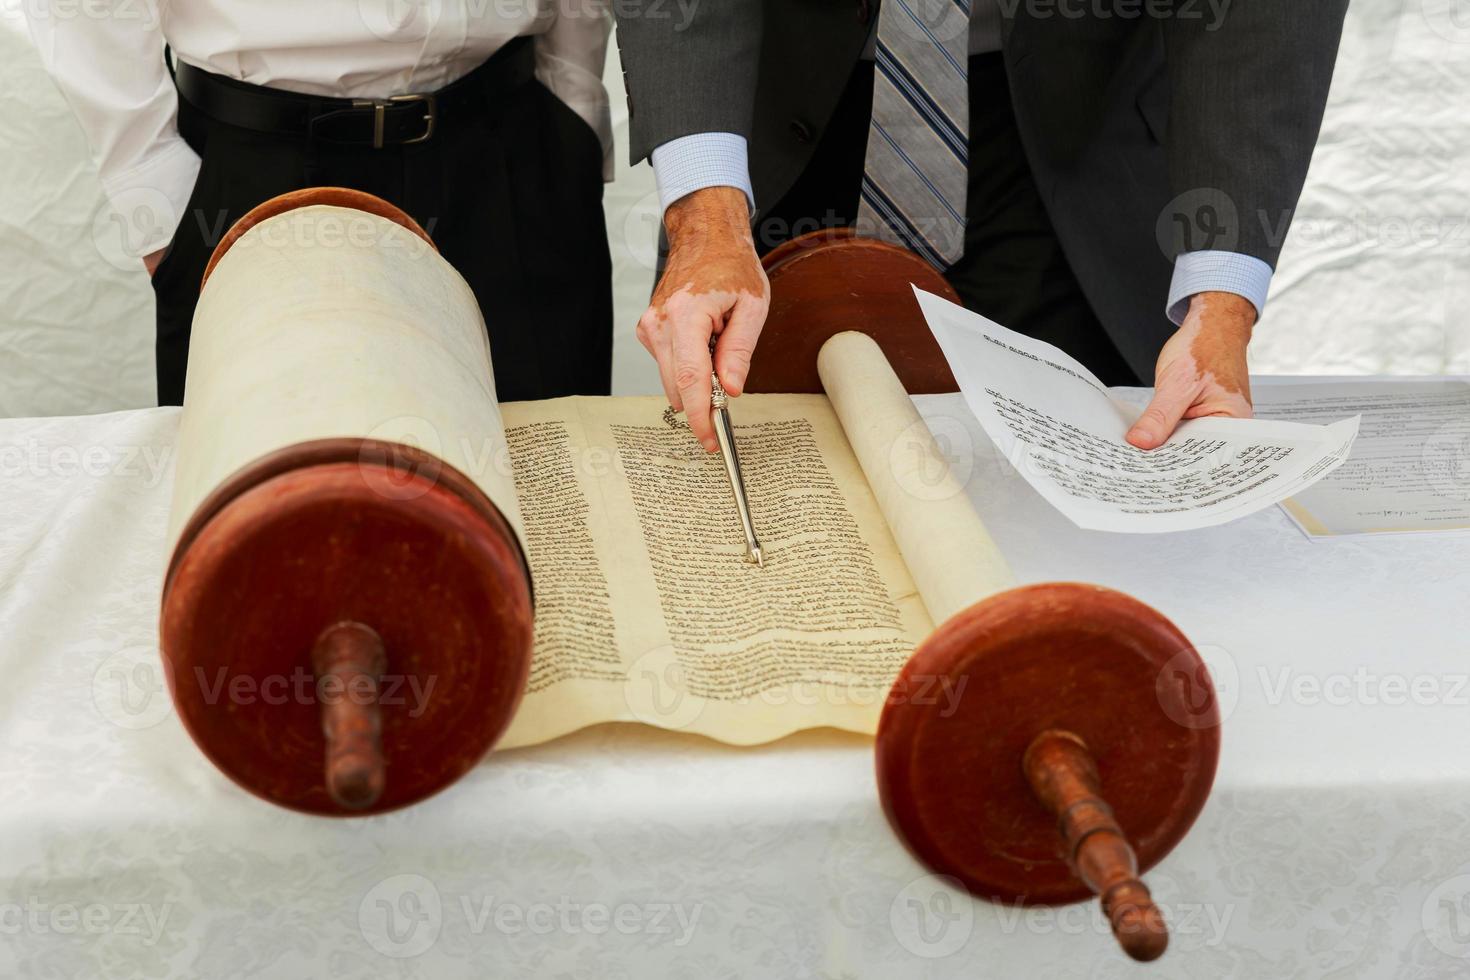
(1063, 775)
(352, 655)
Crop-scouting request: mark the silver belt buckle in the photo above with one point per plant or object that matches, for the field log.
(380, 106)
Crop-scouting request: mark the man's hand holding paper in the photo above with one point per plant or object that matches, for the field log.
(1068, 437)
(1202, 369)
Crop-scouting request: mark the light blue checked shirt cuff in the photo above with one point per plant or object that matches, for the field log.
(692, 163)
(1213, 270)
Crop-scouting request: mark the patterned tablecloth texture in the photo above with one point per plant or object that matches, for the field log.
(1334, 845)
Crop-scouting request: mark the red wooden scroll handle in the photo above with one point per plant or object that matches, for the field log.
(833, 280)
(1063, 775)
(352, 655)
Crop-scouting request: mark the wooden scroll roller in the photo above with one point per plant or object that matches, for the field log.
(1081, 737)
(828, 281)
(346, 618)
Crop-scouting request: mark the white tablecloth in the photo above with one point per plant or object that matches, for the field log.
(1335, 843)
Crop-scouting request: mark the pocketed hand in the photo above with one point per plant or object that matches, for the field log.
(151, 260)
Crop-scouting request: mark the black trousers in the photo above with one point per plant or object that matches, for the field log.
(513, 200)
(1013, 269)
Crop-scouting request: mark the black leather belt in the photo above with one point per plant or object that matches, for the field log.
(394, 121)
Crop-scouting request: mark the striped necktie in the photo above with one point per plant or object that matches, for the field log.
(915, 172)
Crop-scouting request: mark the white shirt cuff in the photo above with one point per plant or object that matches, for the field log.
(690, 163)
(1212, 270)
(150, 198)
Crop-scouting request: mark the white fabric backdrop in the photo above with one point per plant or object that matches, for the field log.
(1334, 844)
(1375, 279)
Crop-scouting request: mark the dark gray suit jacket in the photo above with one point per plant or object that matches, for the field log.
(1147, 136)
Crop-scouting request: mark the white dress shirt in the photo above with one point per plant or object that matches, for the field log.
(106, 56)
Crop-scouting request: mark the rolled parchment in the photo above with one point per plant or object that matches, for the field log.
(364, 332)
(951, 556)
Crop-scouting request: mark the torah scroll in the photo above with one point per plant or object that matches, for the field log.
(327, 325)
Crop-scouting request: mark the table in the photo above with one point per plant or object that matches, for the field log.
(1335, 843)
